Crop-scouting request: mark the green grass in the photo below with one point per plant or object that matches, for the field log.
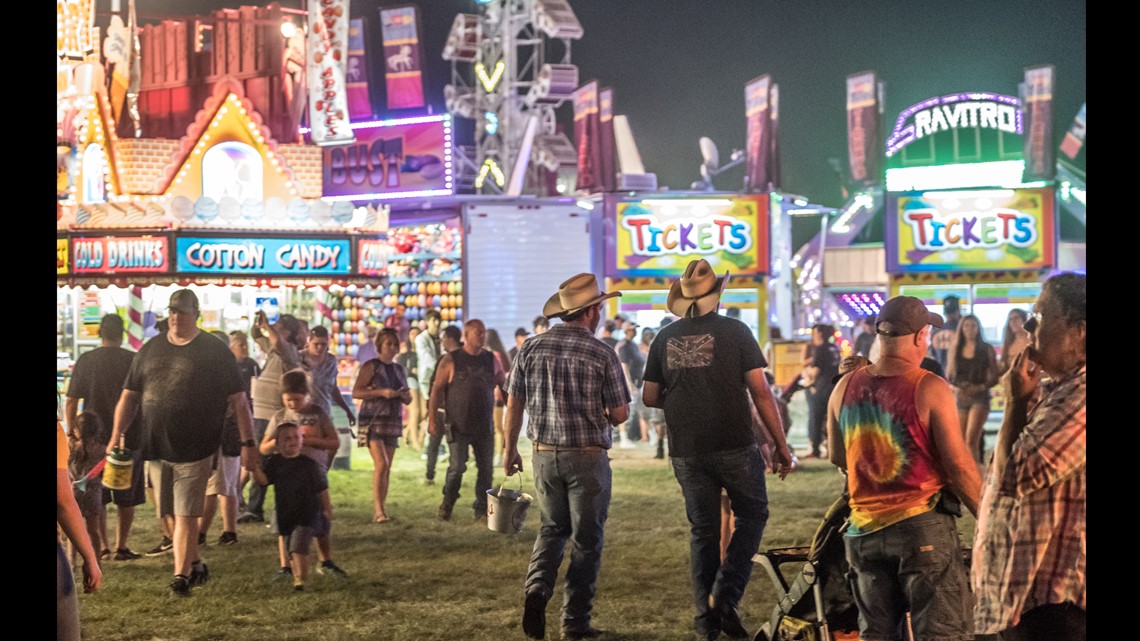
(420, 579)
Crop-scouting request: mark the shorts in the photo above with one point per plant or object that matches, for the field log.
(917, 561)
(180, 488)
(300, 540)
(966, 402)
(136, 493)
(90, 499)
(391, 442)
(224, 479)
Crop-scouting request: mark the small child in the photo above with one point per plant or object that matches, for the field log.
(86, 453)
(320, 444)
(302, 493)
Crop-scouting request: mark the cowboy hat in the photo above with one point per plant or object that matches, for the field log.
(699, 287)
(574, 294)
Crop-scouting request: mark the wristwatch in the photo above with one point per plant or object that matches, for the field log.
(248, 443)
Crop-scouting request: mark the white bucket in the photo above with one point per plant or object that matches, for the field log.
(506, 509)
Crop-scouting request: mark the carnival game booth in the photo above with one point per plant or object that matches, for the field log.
(650, 238)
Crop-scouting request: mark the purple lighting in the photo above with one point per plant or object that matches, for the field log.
(904, 133)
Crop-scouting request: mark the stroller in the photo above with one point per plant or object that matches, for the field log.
(830, 613)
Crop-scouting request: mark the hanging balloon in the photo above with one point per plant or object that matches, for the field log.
(458, 313)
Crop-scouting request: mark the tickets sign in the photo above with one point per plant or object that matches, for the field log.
(120, 255)
(658, 237)
(241, 256)
(976, 230)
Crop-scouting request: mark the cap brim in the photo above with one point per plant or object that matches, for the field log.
(935, 319)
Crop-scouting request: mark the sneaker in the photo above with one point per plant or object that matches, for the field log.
(180, 586)
(250, 517)
(162, 548)
(534, 613)
(201, 538)
(284, 574)
(427, 481)
(584, 633)
(227, 538)
(445, 511)
(124, 554)
(330, 568)
(199, 574)
(298, 584)
(480, 515)
(730, 622)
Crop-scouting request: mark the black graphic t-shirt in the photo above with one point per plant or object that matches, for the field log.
(700, 364)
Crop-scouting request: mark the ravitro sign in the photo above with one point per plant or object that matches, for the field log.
(955, 111)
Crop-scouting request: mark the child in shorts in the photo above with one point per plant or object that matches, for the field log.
(320, 444)
(86, 453)
(301, 489)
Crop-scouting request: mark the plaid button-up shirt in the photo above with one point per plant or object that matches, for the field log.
(1029, 545)
(568, 379)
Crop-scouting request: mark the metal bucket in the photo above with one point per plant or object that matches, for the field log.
(506, 509)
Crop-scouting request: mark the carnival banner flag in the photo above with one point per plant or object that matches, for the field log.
(1038, 106)
(115, 47)
(326, 57)
(863, 127)
(356, 77)
(758, 174)
(606, 135)
(586, 137)
(774, 147)
(402, 66)
(1075, 136)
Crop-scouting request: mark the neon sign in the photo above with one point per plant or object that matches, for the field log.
(955, 111)
(262, 256)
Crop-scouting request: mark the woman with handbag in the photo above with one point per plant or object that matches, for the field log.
(382, 386)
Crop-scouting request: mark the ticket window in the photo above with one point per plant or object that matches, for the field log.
(992, 304)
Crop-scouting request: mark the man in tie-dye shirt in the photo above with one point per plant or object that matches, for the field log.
(893, 427)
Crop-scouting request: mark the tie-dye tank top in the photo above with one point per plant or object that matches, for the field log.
(891, 472)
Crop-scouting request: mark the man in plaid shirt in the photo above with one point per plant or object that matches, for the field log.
(1029, 548)
(573, 389)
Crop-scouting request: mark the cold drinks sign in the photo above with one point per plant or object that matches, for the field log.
(658, 237)
(975, 230)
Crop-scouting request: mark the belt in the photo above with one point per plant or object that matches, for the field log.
(543, 447)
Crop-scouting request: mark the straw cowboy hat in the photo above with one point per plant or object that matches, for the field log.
(574, 294)
(698, 289)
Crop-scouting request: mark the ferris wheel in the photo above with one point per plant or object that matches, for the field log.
(510, 71)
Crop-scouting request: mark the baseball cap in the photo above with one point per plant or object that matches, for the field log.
(184, 300)
(905, 315)
(629, 325)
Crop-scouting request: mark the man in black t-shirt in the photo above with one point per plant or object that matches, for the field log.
(184, 380)
(701, 370)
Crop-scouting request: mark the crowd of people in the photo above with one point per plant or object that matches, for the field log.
(201, 420)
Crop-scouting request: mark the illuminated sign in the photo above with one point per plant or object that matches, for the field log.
(120, 255)
(982, 230)
(658, 237)
(61, 255)
(372, 257)
(263, 256)
(960, 110)
(391, 159)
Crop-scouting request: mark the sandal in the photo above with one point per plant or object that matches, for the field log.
(105, 555)
(383, 518)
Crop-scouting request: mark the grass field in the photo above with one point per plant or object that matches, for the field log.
(423, 579)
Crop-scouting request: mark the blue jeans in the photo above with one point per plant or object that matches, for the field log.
(915, 564)
(484, 447)
(741, 473)
(574, 490)
(256, 503)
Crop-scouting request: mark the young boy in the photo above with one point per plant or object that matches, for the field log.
(320, 444)
(302, 491)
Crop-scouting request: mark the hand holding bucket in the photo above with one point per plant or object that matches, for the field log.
(506, 509)
(119, 466)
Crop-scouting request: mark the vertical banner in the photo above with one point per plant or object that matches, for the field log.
(1038, 105)
(326, 56)
(403, 69)
(606, 135)
(356, 77)
(774, 147)
(586, 137)
(862, 127)
(757, 175)
(1075, 136)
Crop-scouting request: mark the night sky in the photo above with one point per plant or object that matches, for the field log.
(678, 69)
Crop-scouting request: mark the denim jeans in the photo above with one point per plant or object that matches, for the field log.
(484, 447)
(916, 564)
(573, 489)
(740, 472)
(432, 451)
(256, 503)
